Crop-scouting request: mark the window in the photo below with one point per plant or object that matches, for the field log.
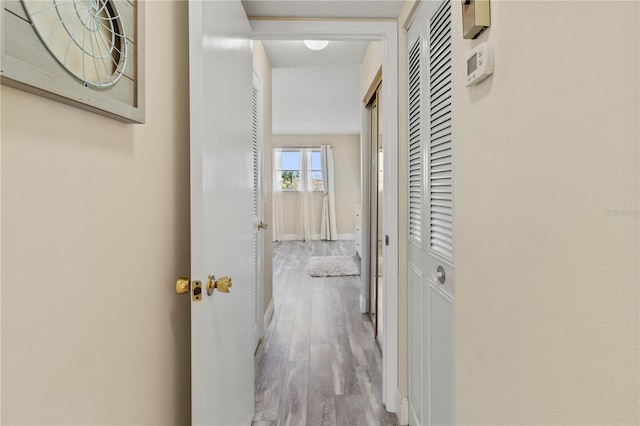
(316, 171)
(290, 173)
(289, 165)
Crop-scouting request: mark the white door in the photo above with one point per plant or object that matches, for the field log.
(222, 218)
(430, 251)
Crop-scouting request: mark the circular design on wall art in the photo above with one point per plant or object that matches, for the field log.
(85, 36)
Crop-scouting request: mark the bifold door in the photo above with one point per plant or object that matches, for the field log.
(430, 216)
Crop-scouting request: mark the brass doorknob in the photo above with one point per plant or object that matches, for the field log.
(262, 225)
(183, 285)
(222, 285)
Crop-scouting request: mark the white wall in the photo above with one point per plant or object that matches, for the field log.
(346, 157)
(316, 100)
(95, 231)
(546, 217)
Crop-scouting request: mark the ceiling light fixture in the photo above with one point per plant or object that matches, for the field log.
(316, 44)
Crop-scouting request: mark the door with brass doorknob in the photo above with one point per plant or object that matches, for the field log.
(223, 215)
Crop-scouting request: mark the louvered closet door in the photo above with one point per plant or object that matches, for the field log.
(430, 216)
(258, 269)
(416, 208)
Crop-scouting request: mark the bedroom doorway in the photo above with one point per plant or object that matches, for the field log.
(386, 33)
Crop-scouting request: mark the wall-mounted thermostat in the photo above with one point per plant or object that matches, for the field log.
(479, 64)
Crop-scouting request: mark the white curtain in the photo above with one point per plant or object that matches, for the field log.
(278, 209)
(306, 216)
(328, 227)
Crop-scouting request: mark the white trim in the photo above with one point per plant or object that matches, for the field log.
(403, 412)
(295, 237)
(314, 237)
(387, 32)
(363, 302)
(268, 315)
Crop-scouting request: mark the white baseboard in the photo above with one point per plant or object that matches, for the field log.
(294, 237)
(403, 409)
(268, 315)
(363, 304)
(290, 237)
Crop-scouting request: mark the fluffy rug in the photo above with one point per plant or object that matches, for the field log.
(332, 266)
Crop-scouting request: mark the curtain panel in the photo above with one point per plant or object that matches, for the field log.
(328, 226)
(278, 208)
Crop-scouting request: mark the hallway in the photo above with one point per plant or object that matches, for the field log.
(318, 363)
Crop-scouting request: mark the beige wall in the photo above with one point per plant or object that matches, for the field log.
(346, 157)
(371, 64)
(369, 67)
(95, 230)
(262, 66)
(546, 217)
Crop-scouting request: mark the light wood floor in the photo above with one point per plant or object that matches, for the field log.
(318, 363)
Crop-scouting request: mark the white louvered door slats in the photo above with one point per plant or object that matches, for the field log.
(415, 145)
(254, 147)
(256, 202)
(440, 171)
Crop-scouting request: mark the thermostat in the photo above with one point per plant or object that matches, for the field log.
(479, 64)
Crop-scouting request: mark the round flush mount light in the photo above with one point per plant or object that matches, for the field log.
(316, 44)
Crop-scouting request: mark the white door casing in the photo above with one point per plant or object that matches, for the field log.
(430, 217)
(222, 228)
(386, 32)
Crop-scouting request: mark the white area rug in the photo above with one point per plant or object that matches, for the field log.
(332, 266)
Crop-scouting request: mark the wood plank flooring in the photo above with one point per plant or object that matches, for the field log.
(318, 363)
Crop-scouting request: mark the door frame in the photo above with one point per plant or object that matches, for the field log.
(387, 33)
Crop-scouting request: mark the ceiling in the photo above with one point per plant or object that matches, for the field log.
(293, 53)
(333, 9)
(318, 92)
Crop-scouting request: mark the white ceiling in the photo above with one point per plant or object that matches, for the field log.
(293, 53)
(317, 92)
(370, 9)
